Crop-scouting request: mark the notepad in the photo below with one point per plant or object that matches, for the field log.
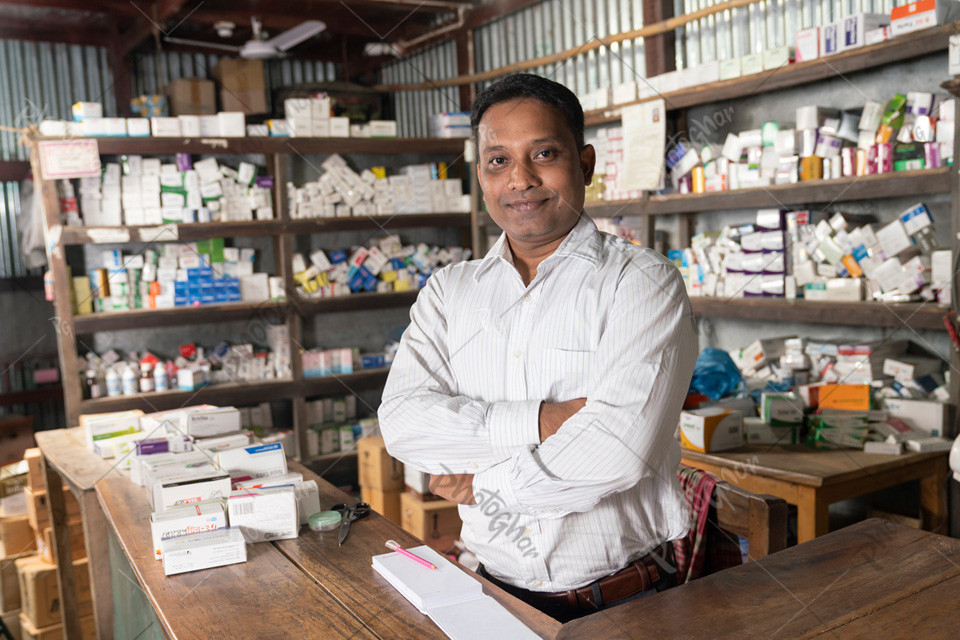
(452, 599)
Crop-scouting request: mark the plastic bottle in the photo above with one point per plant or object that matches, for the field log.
(130, 381)
(171, 374)
(92, 383)
(146, 378)
(160, 380)
(114, 387)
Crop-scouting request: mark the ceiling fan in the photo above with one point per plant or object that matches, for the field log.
(258, 47)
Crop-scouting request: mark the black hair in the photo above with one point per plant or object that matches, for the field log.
(527, 85)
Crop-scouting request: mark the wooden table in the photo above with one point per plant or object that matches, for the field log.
(67, 460)
(303, 588)
(812, 479)
(875, 579)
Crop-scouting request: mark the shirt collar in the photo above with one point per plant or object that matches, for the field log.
(583, 242)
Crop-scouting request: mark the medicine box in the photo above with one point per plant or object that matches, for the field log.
(180, 491)
(264, 514)
(848, 397)
(928, 416)
(209, 422)
(180, 521)
(256, 461)
(103, 426)
(203, 550)
(782, 409)
(711, 429)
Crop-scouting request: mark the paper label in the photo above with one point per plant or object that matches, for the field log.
(108, 235)
(64, 159)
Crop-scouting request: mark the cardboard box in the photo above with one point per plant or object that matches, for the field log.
(849, 397)
(711, 429)
(386, 503)
(377, 469)
(191, 96)
(12, 621)
(38, 511)
(10, 583)
(185, 520)
(265, 514)
(78, 546)
(203, 550)
(16, 536)
(39, 596)
(179, 491)
(436, 522)
(35, 478)
(257, 461)
(88, 630)
(242, 85)
(928, 416)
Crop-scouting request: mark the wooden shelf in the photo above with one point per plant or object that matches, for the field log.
(305, 146)
(355, 302)
(190, 232)
(364, 223)
(906, 47)
(327, 457)
(870, 314)
(140, 318)
(890, 185)
(328, 385)
(235, 393)
(172, 232)
(31, 396)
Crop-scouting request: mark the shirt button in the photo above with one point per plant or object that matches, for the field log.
(526, 298)
(517, 353)
(538, 583)
(473, 466)
(527, 532)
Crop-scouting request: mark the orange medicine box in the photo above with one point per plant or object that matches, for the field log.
(377, 469)
(850, 397)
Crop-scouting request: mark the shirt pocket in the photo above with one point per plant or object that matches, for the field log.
(567, 373)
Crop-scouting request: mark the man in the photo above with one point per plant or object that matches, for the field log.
(541, 386)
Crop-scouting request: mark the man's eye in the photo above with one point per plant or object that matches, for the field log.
(497, 161)
(547, 153)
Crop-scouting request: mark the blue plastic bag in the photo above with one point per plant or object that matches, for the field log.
(715, 375)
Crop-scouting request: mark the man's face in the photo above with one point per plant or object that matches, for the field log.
(531, 172)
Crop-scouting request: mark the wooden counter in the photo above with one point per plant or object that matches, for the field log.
(872, 576)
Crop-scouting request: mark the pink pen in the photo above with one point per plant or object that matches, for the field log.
(394, 545)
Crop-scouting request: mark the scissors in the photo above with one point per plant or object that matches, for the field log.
(349, 514)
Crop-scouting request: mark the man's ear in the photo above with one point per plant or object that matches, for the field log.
(588, 159)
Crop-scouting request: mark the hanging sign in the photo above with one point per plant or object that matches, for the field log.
(65, 159)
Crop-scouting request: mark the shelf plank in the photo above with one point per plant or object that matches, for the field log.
(364, 223)
(900, 184)
(232, 146)
(871, 314)
(236, 394)
(328, 385)
(906, 47)
(140, 318)
(355, 302)
(187, 232)
(32, 396)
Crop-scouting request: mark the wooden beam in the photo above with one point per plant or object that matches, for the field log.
(14, 170)
(120, 68)
(34, 32)
(96, 6)
(660, 51)
(466, 64)
(152, 16)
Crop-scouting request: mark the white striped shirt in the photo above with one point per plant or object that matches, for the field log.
(603, 319)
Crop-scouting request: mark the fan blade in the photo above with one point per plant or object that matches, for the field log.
(202, 43)
(292, 37)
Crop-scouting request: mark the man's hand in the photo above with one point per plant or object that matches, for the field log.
(554, 414)
(457, 487)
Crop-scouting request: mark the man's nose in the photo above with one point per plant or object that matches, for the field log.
(523, 176)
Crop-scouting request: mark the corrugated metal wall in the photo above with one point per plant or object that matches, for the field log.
(41, 80)
(152, 72)
(413, 108)
(751, 29)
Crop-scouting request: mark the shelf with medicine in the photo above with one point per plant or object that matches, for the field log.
(275, 238)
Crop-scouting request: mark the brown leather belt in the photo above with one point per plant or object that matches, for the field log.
(639, 576)
(642, 575)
